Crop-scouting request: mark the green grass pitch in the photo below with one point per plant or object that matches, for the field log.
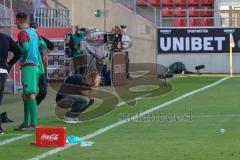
(186, 130)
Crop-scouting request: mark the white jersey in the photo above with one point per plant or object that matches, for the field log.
(126, 38)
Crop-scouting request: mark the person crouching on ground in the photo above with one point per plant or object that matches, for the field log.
(77, 94)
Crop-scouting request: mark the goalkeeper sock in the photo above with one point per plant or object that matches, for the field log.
(26, 112)
(32, 105)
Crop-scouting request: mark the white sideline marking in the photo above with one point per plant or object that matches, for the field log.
(132, 100)
(11, 134)
(107, 128)
(19, 136)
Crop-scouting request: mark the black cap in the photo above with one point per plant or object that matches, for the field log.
(83, 29)
(34, 25)
(123, 26)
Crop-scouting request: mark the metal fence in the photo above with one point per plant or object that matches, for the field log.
(59, 16)
(6, 13)
(52, 17)
(6, 3)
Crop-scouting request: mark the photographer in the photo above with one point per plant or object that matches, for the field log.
(125, 45)
(126, 40)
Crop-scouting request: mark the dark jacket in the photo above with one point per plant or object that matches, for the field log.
(7, 44)
(73, 85)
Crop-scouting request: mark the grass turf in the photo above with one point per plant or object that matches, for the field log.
(165, 139)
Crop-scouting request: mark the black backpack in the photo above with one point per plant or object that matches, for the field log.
(177, 67)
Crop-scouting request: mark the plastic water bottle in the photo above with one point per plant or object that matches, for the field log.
(222, 130)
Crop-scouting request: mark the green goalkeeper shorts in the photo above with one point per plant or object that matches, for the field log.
(30, 75)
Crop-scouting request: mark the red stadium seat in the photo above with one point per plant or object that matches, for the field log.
(193, 22)
(167, 12)
(180, 11)
(206, 11)
(167, 2)
(207, 2)
(180, 2)
(206, 22)
(179, 23)
(142, 2)
(155, 2)
(193, 11)
(193, 2)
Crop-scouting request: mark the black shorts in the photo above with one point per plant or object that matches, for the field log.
(3, 78)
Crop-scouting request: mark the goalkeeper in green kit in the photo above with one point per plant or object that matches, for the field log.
(31, 67)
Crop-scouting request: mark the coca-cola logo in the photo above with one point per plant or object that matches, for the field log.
(52, 137)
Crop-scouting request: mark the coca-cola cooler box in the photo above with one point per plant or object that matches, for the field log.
(50, 136)
(119, 64)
